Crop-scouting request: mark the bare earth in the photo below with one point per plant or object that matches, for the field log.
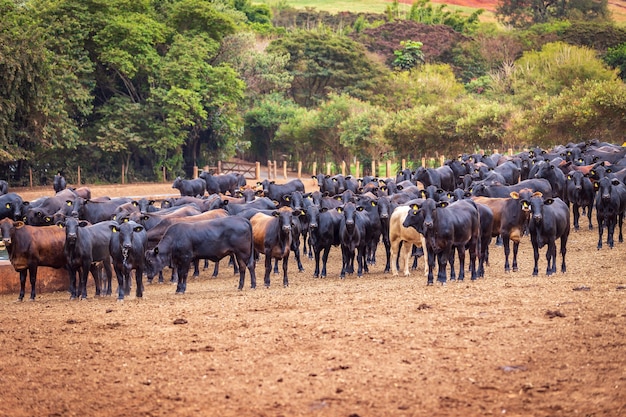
(508, 344)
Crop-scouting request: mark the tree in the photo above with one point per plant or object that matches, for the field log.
(322, 62)
(616, 58)
(409, 56)
(422, 11)
(523, 13)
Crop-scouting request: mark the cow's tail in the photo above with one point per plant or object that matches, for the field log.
(251, 264)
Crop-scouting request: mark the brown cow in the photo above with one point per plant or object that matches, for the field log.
(30, 247)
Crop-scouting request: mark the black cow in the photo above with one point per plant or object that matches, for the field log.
(192, 188)
(96, 211)
(85, 245)
(549, 221)
(30, 247)
(504, 191)
(145, 206)
(276, 192)
(209, 239)
(446, 226)
(4, 187)
(352, 235)
(128, 245)
(554, 175)
(580, 194)
(442, 177)
(59, 183)
(273, 237)
(326, 184)
(610, 205)
(324, 231)
(11, 206)
(224, 183)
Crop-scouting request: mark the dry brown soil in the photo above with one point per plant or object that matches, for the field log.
(506, 345)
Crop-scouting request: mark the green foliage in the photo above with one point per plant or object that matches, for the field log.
(201, 17)
(322, 62)
(423, 85)
(616, 58)
(524, 13)
(539, 74)
(409, 56)
(422, 11)
(588, 109)
(599, 36)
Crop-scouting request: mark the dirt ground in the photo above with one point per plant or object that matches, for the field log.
(509, 344)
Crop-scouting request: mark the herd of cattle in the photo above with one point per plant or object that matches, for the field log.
(439, 213)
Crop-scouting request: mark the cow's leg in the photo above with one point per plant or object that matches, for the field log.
(576, 211)
(72, 278)
(316, 273)
(196, 268)
(285, 265)
(268, 268)
(515, 250)
(138, 282)
(550, 258)
(361, 259)
(295, 248)
(431, 267)
(621, 222)
(600, 221)
(23, 273)
(610, 230)
(183, 271)
(325, 260)
(589, 209)
(216, 269)
(120, 283)
(206, 264)
(451, 262)
(33, 281)
(242, 270)
(387, 244)
(344, 261)
(563, 252)
(442, 257)
(536, 257)
(106, 264)
(507, 251)
(461, 251)
(475, 251)
(84, 274)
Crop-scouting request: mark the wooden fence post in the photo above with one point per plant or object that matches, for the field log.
(403, 165)
(357, 169)
(343, 168)
(269, 170)
(164, 174)
(257, 171)
(388, 169)
(78, 177)
(328, 167)
(424, 161)
(195, 172)
(219, 167)
(285, 169)
(314, 169)
(275, 166)
(123, 177)
(30, 176)
(374, 173)
(442, 160)
(299, 169)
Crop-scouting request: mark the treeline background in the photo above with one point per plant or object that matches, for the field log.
(143, 85)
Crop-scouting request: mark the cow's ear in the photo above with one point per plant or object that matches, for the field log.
(114, 228)
(400, 187)
(337, 197)
(225, 202)
(114, 217)
(258, 192)
(569, 177)
(359, 208)
(374, 203)
(138, 228)
(443, 204)
(134, 203)
(83, 223)
(548, 201)
(422, 193)
(145, 217)
(156, 250)
(275, 213)
(609, 170)
(615, 181)
(537, 194)
(69, 202)
(125, 220)
(515, 195)
(272, 182)
(276, 203)
(323, 209)
(287, 197)
(596, 185)
(60, 224)
(339, 209)
(415, 207)
(48, 219)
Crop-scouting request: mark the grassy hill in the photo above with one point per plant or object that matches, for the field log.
(617, 7)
